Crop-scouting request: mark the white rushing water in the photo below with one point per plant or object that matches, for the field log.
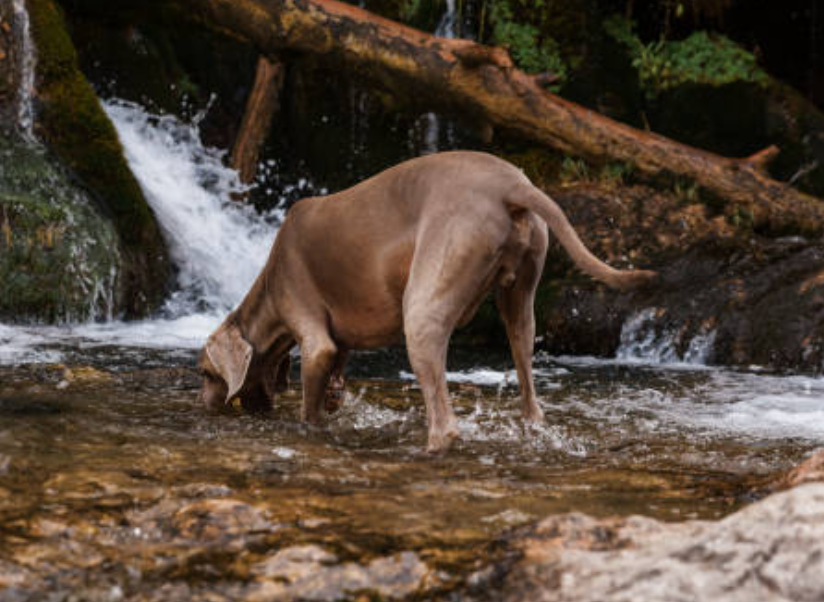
(643, 341)
(28, 60)
(218, 245)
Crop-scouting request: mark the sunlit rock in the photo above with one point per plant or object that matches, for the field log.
(810, 470)
(312, 573)
(770, 550)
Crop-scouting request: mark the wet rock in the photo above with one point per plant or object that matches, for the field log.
(59, 257)
(10, 68)
(81, 375)
(14, 577)
(310, 572)
(71, 122)
(810, 470)
(770, 550)
(728, 294)
(213, 519)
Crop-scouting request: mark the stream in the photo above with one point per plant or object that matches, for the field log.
(115, 485)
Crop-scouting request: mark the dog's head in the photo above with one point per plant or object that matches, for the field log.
(224, 364)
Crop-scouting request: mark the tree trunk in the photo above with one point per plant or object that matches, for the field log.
(481, 83)
(261, 105)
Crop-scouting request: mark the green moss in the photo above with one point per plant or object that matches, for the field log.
(58, 257)
(74, 126)
(702, 58)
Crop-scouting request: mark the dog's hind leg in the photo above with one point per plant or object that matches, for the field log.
(452, 266)
(515, 301)
(427, 338)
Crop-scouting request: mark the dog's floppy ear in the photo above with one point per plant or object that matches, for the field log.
(231, 355)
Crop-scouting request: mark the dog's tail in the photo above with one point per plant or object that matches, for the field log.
(529, 197)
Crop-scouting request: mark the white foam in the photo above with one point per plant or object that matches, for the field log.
(490, 377)
(184, 332)
(475, 376)
(19, 345)
(790, 415)
(724, 403)
(644, 341)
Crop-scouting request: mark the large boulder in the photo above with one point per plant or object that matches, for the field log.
(59, 258)
(72, 124)
(741, 296)
(770, 550)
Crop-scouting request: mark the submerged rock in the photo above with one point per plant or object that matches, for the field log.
(768, 551)
(309, 572)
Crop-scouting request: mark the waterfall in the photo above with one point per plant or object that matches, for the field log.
(26, 68)
(432, 129)
(218, 245)
(446, 26)
(643, 339)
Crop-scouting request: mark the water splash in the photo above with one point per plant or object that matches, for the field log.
(217, 244)
(28, 62)
(643, 339)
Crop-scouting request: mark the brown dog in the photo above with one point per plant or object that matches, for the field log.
(410, 252)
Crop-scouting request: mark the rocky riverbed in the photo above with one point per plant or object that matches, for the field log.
(114, 485)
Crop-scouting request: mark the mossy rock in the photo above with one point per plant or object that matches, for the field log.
(59, 257)
(73, 125)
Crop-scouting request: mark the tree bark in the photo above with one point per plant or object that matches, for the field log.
(481, 82)
(261, 106)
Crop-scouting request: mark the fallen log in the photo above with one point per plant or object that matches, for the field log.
(481, 83)
(261, 106)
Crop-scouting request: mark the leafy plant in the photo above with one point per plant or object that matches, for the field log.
(686, 190)
(616, 173)
(409, 9)
(574, 170)
(702, 58)
(532, 50)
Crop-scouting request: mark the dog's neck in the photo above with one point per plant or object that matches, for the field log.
(258, 317)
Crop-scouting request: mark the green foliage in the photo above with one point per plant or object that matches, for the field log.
(742, 217)
(614, 173)
(532, 49)
(409, 10)
(702, 58)
(686, 190)
(574, 170)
